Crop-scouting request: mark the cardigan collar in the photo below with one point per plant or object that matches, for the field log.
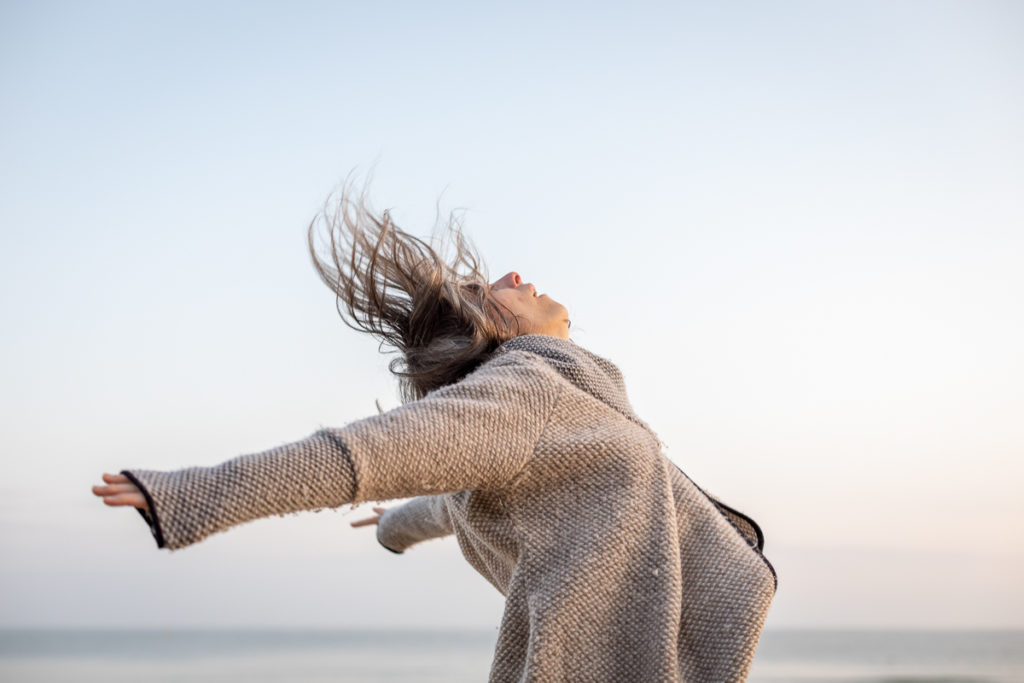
(588, 371)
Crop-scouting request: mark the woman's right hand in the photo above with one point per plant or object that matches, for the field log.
(119, 490)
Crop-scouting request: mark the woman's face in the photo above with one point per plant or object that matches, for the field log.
(538, 314)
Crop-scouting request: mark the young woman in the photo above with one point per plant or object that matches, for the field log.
(615, 566)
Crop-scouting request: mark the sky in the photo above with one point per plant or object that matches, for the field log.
(796, 228)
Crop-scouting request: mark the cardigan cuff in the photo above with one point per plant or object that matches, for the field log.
(150, 517)
(396, 552)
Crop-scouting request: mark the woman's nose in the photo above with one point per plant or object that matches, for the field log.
(509, 280)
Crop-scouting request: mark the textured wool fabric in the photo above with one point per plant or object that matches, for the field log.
(615, 566)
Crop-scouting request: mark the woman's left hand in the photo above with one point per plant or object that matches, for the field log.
(370, 520)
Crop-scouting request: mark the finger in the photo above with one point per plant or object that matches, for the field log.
(379, 511)
(133, 499)
(115, 478)
(111, 489)
(364, 522)
(124, 499)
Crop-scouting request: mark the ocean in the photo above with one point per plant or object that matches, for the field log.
(323, 656)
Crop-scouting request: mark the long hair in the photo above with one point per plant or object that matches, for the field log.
(437, 314)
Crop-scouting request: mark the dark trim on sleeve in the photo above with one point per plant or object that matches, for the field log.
(377, 534)
(151, 518)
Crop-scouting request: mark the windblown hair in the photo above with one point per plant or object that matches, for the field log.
(437, 314)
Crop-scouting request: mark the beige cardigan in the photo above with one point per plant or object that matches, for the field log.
(614, 565)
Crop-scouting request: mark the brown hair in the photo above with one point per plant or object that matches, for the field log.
(397, 287)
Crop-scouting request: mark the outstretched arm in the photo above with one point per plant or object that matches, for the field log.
(478, 433)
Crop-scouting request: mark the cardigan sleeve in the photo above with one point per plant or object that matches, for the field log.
(420, 519)
(477, 433)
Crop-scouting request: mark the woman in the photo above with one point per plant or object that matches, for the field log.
(615, 566)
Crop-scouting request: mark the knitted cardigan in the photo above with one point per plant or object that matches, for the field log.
(615, 566)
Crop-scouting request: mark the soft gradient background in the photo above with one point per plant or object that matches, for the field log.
(796, 227)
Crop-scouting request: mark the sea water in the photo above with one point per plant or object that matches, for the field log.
(237, 656)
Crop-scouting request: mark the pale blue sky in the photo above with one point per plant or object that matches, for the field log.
(796, 228)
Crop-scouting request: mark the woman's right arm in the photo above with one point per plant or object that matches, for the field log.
(187, 505)
(477, 433)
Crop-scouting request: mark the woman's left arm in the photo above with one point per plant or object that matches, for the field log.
(477, 433)
(421, 519)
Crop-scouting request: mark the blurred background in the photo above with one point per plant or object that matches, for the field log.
(796, 227)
